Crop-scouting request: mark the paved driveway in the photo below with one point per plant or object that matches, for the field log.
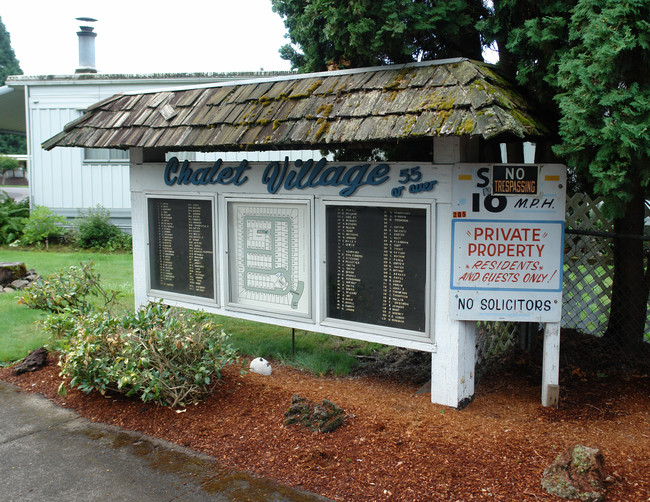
(50, 453)
(16, 193)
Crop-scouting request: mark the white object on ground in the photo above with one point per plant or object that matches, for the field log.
(261, 366)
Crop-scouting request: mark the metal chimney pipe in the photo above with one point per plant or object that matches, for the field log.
(86, 46)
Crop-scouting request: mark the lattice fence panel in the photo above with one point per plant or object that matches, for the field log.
(588, 268)
(494, 340)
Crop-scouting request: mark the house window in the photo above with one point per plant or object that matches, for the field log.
(105, 155)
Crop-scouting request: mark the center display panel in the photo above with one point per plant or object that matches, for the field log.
(269, 256)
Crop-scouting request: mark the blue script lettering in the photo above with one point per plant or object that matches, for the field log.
(309, 174)
(205, 175)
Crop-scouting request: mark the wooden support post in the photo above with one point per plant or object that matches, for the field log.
(452, 365)
(452, 149)
(551, 365)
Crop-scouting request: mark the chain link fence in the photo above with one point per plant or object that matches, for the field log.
(587, 287)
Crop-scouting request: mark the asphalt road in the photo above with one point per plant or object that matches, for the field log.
(16, 193)
(50, 453)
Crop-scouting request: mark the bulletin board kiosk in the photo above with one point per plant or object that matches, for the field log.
(405, 253)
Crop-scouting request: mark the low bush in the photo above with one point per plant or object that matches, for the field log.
(167, 356)
(41, 225)
(13, 216)
(70, 290)
(94, 230)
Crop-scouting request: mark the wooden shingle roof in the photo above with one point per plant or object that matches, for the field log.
(318, 110)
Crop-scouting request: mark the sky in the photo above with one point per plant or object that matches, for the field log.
(143, 36)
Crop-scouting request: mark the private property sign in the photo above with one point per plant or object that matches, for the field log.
(507, 249)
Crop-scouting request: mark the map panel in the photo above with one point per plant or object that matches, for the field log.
(269, 250)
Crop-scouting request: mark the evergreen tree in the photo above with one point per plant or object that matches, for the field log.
(530, 36)
(8, 63)
(9, 143)
(604, 98)
(355, 33)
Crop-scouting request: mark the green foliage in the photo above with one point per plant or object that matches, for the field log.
(163, 355)
(530, 36)
(12, 218)
(14, 143)
(8, 63)
(605, 97)
(20, 332)
(9, 143)
(42, 224)
(94, 230)
(357, 33)
(8, 163)
(70, 290)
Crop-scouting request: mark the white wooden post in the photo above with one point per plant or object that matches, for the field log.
(453, 149)
(139, 233)
(551, 365)
(452, 365)
(452, 362)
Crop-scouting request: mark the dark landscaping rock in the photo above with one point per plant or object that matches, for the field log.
(14, 276)
(10, 271)
(34, 361)
(323, 417)
(19, 284)
(578, 473)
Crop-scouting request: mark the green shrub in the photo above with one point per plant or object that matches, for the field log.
(167, 356)
(42, 224)
(13, 216)
(69, 290)
(94, 230)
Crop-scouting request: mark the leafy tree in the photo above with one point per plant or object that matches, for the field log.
(7, 164)
(354, 33)
(604, 99)
(9, 143)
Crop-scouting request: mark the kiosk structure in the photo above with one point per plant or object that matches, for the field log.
(409, 252)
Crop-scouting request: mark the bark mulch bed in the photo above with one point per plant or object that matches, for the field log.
(394, 444)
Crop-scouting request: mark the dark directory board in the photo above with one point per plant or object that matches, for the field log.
(376, 265)
(181, 246)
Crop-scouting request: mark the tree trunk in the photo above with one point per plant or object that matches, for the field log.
(627, 317)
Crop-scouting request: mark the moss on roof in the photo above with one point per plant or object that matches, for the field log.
(369, 105)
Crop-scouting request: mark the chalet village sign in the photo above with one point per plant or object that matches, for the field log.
(299, 175)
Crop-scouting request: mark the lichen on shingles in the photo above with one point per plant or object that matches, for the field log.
(403, 101)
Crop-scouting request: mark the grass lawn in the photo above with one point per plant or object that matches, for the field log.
(19, 334)
(317, 352)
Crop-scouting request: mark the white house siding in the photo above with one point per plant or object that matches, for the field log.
(60, 179)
